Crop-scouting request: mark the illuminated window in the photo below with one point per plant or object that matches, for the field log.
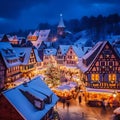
(95, 77)
(112, 77)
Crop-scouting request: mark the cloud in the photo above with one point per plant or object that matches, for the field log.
(11, 9)
(27, 14)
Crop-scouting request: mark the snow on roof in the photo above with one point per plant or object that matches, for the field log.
(8, 53)
(37, 56)
(61, 23)
(67, 86)
(36, 33)
(30, 34)
(1, 36)
(80, 51)
(33, 92)
(13, 38)
(42, 36)
(22, 104)
(101, 90)
(64, 48)
(117, 49)
(49, 51)
(26, 51)
(95, 50)
(92, 50)
(113, 38)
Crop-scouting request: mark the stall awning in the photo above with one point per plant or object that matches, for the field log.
(102, 90)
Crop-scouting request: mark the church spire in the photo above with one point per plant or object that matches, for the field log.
(61, 27)
(61, 22)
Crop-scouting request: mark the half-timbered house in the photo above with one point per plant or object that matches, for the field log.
(73, 54)
(60, 55)
(9, 62)
(49, 55)
(28, 60)
(101, 67)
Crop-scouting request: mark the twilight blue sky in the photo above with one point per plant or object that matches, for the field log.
(25, 14)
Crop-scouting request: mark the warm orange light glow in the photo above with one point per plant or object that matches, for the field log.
(95, 77)
(112, 77)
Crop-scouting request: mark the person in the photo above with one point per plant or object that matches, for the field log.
(63, 101)
(79, 99)
(67, 104)
(104, 104)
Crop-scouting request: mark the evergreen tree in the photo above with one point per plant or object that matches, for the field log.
(52, 75)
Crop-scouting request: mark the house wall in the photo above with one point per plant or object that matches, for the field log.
(59, 57)
(13, 73)
(2, 73)
(70, 58)
(7, 111)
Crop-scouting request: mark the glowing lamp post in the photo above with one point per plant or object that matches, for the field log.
(114, 94)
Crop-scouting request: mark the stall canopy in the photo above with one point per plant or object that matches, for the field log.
(102, 90)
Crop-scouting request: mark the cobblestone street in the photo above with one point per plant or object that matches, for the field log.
(83, 112)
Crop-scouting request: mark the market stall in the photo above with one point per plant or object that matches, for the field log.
(66, 91)
(95, 97)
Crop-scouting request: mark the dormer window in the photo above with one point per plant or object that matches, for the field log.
(37, 104)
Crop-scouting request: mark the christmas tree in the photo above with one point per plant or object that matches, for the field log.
(52, 75)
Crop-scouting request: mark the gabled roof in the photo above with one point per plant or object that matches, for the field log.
(13, 38)
(61, 23)
(5, 39)
(42, 36)
(118, 49)
(64, 48)
(79, 51)
(49, 51)
(91, 56)
(24, 52)
(37, 56)
(30, 34)
(8, 53)
(19, 101)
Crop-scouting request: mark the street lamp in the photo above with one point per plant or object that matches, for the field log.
(114, 94)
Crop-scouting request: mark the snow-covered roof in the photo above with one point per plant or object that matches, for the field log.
(36, 33)
(8, 53)
(101, 90)
(113, 38)
(64, 48)
(49, 51)
(61, 22)
(24, 52)
(14, 38)
(30, 34)
(82, 37)
(37, 56)
(80, 51)
(92, 50)
(91, 56)
(42, 36)
(117, 49)
(39, 89)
